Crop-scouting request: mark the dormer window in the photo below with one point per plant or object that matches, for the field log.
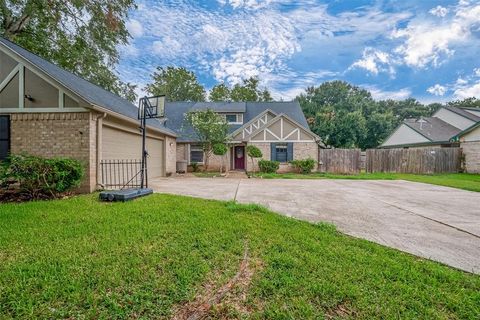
(234, 118)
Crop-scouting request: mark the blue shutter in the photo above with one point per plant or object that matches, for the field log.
(290, 151)
(273, 151)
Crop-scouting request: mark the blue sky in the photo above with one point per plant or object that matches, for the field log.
(429, 50)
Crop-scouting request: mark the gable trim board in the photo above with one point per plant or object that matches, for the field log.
(250, 124)
(283, 136)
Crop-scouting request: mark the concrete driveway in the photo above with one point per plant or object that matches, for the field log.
(433, 222)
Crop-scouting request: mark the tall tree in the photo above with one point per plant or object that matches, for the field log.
(336, 112)
(466, 103)
(210, 129)
(249, 90)
(79, 36)
(219, 92)
(178, 84)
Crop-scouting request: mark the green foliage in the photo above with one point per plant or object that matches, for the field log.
(346, 116)
(304, 166)
(220, 92)
(220, 149)
(194, 166)
(253, 151)
(267, 166)
(249, 91)
(466, 103)
(40, 177)
(210, 129)
(80, 36)
(178, 84)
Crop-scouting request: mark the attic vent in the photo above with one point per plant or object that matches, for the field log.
(421, 121)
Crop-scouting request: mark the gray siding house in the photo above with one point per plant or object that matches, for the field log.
(448, 127)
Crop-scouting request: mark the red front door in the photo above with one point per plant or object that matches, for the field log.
(239, 155)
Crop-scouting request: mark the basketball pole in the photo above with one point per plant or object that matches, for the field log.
(143, 125)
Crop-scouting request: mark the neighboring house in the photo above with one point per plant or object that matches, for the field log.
(279, 129)
(47, 111)
(449, 126)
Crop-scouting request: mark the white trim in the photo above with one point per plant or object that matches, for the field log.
(61, 99)
(281, 127)
(21, 86)
(41, 110)
(296, 130)
(277, 141)
(9, 77)
(273, 134)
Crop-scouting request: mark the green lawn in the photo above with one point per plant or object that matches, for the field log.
(79, 258)
(456, 180)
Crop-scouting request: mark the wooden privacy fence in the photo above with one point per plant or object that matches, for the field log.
(414, 160)
(342, 161)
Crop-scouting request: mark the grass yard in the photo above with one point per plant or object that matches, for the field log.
(464, 181)
(163, 255)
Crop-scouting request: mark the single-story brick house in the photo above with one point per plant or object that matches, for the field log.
(50, 112)
(278, 129)
(47, 111)
(448, 127)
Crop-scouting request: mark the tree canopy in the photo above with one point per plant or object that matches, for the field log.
(79, 36)
(347, 116)
(178, 84)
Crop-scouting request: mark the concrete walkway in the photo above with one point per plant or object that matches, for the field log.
(433, 222)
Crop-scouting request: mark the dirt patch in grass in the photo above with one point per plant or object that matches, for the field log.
(224, 302)
(341, 311)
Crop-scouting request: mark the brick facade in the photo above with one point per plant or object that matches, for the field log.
(301, 150)
(170, 156)
(471, 151)
(71, 135)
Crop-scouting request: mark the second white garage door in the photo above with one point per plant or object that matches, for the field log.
(122, 145)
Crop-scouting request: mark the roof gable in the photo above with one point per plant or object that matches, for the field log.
(175, 114)
(85, 90)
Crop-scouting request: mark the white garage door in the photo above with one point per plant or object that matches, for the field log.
(122, 145)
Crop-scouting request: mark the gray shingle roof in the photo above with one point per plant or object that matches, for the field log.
(463, 113)
(434, 129)
(175, 113)
(86, 90)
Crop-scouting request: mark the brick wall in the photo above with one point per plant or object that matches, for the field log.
(71, 135)
(471, 151)
(301, 150)
(170, 156)
(305, 150)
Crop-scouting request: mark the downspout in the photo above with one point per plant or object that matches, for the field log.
(99, 147)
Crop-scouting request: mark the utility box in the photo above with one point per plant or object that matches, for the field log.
(182, 166)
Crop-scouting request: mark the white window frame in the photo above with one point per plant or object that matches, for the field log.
(239, 117)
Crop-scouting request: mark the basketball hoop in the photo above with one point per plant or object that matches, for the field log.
(151, 107)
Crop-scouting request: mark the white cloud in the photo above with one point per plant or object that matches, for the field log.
(135, 28)
(374, 61)
(468, 91)
(430, 42)
(476, 72)
(250, 4)
(439, 11)
(437, 90)
(379, 94)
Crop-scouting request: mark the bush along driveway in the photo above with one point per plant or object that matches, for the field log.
(430, 221)
(169, 256)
